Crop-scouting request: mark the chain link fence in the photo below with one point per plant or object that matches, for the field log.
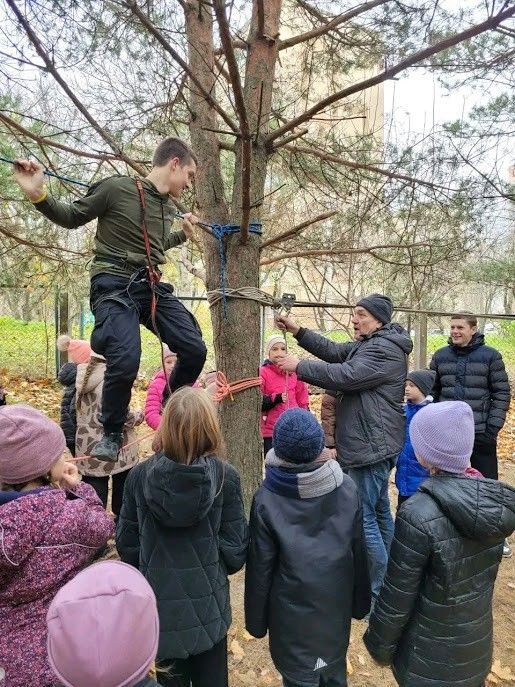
(30, 324)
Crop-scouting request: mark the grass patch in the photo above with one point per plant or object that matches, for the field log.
(28, 348)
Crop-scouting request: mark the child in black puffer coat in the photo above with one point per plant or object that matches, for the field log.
(67, 376)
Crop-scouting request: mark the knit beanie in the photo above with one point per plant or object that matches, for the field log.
(30, 444)
(103, 627)
(79, 351)
(271, 341)
(423, 380)
(297, 436)
(443, 435)
(167, 352)
(381, 307)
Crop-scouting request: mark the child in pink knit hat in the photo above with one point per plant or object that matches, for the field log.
(51, 526)
(79, 351)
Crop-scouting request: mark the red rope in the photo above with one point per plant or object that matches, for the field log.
(225, 388)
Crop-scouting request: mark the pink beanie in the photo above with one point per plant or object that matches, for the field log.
(103, 627)
(30, 444)
(79, 351)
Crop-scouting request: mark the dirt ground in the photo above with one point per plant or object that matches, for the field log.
(251, 666)
(249, 660)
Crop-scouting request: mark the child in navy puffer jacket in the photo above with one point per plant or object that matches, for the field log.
(410, 473)
(280, 390)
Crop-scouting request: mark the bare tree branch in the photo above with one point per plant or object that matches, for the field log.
(151, 28)
(232, 66)
(290, 138)
(44, 141)
(297, 229)
(339, 251)
(52, 70)
(328, 157)
(330, 24)
(390, 72)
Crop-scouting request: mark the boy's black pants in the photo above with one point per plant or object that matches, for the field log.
(120, 305)
(208, 669)
(101, 486)
(484, 456)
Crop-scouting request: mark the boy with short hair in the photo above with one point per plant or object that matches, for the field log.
(409, 473)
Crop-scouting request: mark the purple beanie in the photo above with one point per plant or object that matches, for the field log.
(30, 444)
(103, 627)
(443, 435)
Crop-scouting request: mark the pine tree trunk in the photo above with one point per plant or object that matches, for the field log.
(237, 337)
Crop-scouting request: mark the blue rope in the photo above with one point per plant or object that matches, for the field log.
(48, 173)
(219, 231)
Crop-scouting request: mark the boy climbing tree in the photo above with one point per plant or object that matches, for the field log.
(132, 237)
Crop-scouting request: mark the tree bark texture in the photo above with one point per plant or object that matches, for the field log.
(237, 337)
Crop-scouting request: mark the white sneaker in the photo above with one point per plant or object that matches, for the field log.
(506, 551)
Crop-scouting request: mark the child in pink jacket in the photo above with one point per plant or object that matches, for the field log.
(156, 388)
(280, 390)
(51, 526)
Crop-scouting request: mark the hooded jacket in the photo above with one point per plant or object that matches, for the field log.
(307, 571)
(436, 628)
(46, 537)
(67, 376)
(275, 382)
(409, 473)
(474, 374)
(184, 528)
(115, 201)
(89, 385)
(369, 377)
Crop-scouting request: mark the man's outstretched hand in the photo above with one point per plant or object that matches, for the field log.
(28, 174)
(288, 363)
(285, 323)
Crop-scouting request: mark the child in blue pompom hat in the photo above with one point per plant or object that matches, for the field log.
(307, 565)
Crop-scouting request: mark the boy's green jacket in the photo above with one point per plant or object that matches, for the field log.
(119, 236)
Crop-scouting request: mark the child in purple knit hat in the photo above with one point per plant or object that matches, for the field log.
(51, 526)
(107, 600)
(433, 618)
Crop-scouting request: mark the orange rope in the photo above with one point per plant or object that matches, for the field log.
(225, 388)
(131, 443)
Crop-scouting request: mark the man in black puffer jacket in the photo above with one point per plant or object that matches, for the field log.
(468, 370)
(433, 618)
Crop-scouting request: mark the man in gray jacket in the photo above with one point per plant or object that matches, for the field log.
(369, 376)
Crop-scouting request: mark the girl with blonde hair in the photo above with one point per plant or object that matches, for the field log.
(183, 526)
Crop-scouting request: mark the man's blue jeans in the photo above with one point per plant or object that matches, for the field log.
(372, 484)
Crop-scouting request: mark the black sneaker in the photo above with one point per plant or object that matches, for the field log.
(108, 447)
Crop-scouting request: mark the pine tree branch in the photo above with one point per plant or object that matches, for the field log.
(152, 29)
(390, 72)
(297, 229)
(50, 66)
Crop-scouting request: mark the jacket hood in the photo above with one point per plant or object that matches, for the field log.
(181, 495)
(96, 376)
(478, 339)
(481, 509)
(397, 334)
(67, 374)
